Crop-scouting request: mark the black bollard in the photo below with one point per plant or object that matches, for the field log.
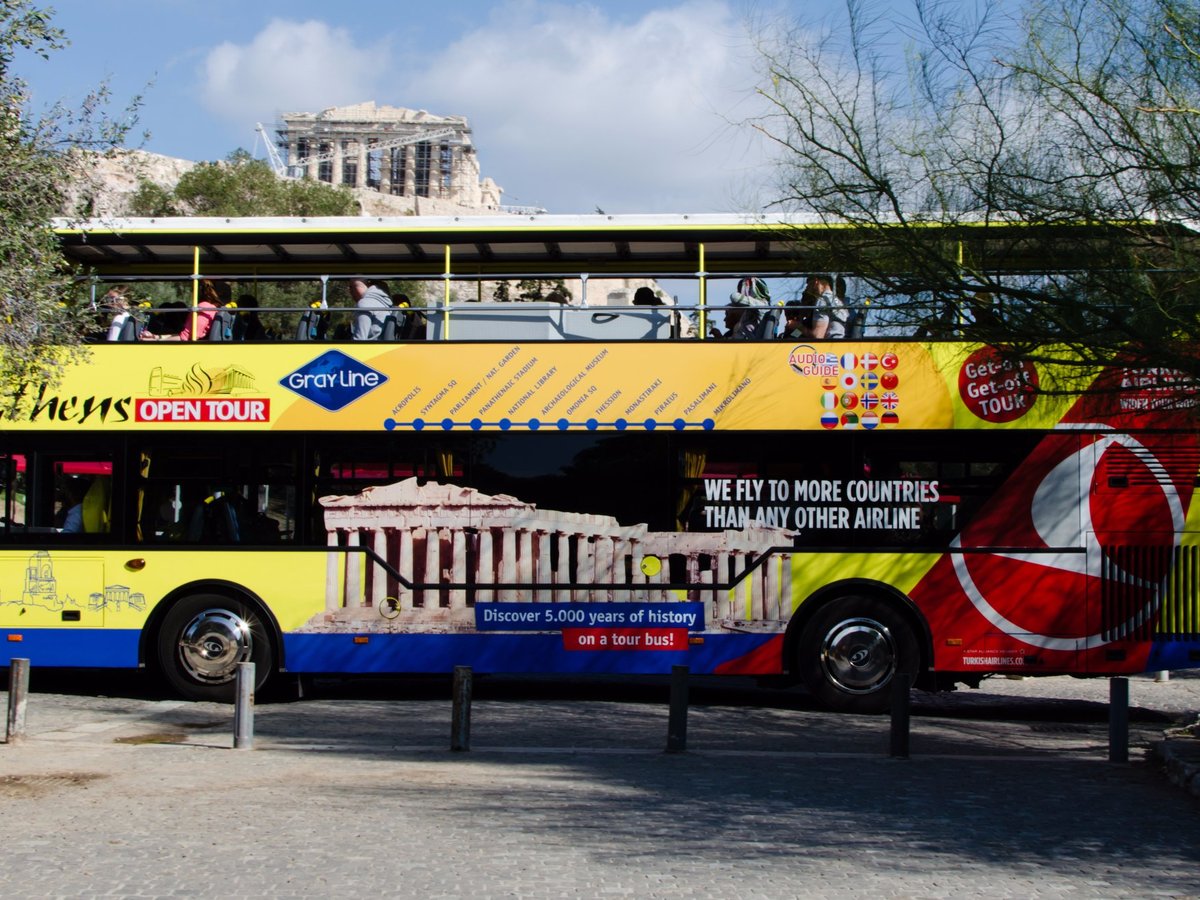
(18, 697)
(460, 715)
(677, 719)
(900, 717)
(243, 707)
(1118, 720)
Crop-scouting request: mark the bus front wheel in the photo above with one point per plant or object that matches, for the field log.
(851, 652)
(202, 640)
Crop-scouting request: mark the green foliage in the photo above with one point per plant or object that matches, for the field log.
(241, 186)
(535, 290)
(39, 302)
(991, 120)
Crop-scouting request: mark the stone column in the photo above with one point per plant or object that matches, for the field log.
(332, 601)
(604, 567)
(485, 568)
(405, 567)
(563, 575)
(693, 575)
(354, 587)
(639, 577)
(543, 571)
(723, 596)
(508, 563)
(771, 604)
(458, 571)
(379, 575)
(738, 613)
(335, 147)
(525, 562)
(433, 568)
(585, 568)
(360, 177)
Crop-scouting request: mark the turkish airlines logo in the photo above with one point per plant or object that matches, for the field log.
(1062, 534)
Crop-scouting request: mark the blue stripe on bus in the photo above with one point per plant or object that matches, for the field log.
(89, 648)
(1172, 654)
(533, 653)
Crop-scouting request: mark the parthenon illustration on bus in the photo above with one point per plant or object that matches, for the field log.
(481, 548)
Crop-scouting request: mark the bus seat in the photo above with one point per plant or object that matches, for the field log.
(855, 323)
(767, 325)
(391, 328)
(222, 326)
(311, 326)
(131, 329)
(214, 520)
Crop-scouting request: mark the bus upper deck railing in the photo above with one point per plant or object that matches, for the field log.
(461, 322)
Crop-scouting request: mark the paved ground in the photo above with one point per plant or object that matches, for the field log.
(353, 792)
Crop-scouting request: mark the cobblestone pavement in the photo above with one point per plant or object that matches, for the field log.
(1008, 793)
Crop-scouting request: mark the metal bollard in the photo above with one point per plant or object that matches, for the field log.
(243, 708)
(900, 717)
(677, 718)
(1118, 720)
(1162, 677)
(18, 699)
(460, 715)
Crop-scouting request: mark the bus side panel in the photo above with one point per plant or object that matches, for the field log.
(87, 648)
(519, 653)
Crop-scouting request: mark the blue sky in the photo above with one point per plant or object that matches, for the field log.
(626, 106)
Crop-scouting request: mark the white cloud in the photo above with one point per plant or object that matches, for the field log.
(289, 67)
(572, 109)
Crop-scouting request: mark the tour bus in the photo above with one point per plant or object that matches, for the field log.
(577, 484)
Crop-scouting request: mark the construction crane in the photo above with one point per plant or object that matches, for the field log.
(281, 168)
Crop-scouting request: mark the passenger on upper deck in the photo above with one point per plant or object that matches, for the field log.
(248, 326)
(117, 302)
(369, 295)
(644, 296)
(742, 316)
(829, 316)
(795, 326)
(213, 294)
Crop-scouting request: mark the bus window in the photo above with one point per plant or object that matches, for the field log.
(50, 494)
(197, 492)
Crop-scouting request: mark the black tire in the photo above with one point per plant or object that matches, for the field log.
(852, 650)
(202, 639)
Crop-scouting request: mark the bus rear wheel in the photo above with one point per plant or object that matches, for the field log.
(203, 638)
(851, 652)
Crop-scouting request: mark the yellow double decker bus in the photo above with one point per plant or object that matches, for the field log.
(573, 483)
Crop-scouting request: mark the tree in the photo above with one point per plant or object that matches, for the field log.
(241, 186)
(37, 287)
(1067, 133)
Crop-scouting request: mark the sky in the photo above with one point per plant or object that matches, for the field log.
(621, 106)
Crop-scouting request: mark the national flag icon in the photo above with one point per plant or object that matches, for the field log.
(829, 420)
(869, 420)
(889, 418)
(870, 361)
(889, 381)
(849, 381)
(870, 400)
(829, 400)
(889, 400)
(829, 382)
(849, 401)
(849, 361)
(869, 381)
(850, 420)
(889, 360)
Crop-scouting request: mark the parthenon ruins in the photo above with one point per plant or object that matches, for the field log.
(396, 151)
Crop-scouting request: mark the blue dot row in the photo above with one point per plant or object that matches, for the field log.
(535, 424)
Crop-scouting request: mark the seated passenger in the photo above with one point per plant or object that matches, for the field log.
(212, 296)
(743, 314)
(644, 296)
(248, 326)
(368, 296)
(828, 316)
(797, 321)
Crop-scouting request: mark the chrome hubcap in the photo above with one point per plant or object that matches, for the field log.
(859, 655)
(212, 645)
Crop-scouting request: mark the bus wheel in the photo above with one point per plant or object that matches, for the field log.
(202, 640)
(851, 651)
